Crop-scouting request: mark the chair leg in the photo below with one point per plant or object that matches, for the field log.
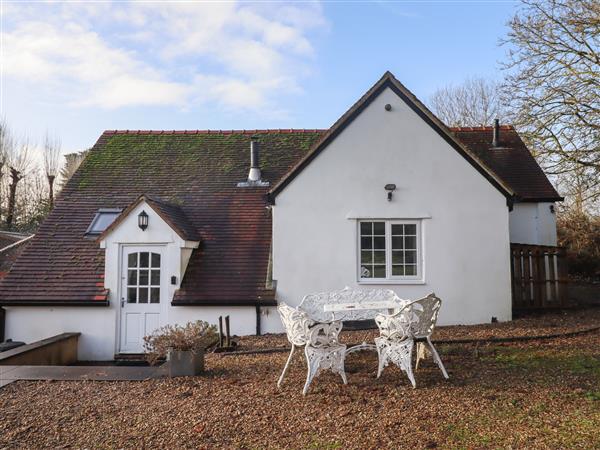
(343, 368)
(381, 355)
(312, 369)
(420, 354)
(407, 364)
(437, 358)
(287, 364)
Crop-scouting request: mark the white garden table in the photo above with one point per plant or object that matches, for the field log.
(368, 310)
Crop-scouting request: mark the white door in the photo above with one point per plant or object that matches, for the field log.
(142, 292)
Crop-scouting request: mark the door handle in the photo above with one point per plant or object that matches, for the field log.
(122, 302)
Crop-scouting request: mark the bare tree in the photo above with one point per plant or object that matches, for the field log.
(6, 148)
(19, 162)
(51, 164)
(475, 102)
(553, 87)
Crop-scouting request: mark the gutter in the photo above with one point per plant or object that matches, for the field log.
(16, 244)
(55, 303)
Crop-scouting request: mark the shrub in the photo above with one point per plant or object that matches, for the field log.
(194, 336)
(580, 234)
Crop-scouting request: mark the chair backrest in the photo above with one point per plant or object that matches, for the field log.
(417, 319)
(423, 315)
(295, 323)
(313, 304)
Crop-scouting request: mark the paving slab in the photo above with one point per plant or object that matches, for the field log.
(9, 374)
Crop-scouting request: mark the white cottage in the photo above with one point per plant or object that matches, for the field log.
(167, 227)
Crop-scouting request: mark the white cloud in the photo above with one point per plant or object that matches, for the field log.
(238, 56)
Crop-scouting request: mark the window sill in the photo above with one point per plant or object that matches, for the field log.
(400, 282)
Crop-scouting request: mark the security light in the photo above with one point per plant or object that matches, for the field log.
(390, 188)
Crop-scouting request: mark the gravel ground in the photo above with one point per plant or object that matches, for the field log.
(538, 394)
(538, 325)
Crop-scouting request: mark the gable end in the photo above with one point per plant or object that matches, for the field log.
(389, 81)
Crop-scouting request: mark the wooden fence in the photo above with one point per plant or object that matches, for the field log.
(539, 277)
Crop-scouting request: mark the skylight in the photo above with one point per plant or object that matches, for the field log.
(102, 220)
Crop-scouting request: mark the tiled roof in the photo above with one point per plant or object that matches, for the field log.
(192, 176)
(199, 172)
(511, 161)
(170, 213)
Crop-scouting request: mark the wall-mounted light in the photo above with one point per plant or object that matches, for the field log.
(143, 220)
(552, 209)
(388, 107)
(390, 188)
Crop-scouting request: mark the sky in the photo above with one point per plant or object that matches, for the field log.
(75, 68)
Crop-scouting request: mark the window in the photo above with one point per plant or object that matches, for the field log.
(102, 220)
(389, 250)
(143, 277)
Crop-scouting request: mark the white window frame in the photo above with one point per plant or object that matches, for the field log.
(419, 278)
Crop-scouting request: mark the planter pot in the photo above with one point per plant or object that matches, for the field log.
(185, 363)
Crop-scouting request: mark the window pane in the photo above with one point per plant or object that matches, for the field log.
(397, 258)
(410, 257)
(397, 242)
(102, 220)
(154, 295)
(379, 228)
(155, 277)
(410, 242)
(144, 259)
(410, 229)
(143, 278)
(132, 277)
(143, 295)
(132, 260)
(379, 271)
(366, 271)
(131, 295)
(379, 243)
(155, 260)
(366, 228)
(366, 243)
(411, 270)
(397, 230)
(397, 271)
(379, 257)
(366, 257)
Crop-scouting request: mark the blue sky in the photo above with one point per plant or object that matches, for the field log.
(78, 68)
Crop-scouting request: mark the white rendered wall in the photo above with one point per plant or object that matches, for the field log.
(465, 225)
(533, 223)
(96, 325)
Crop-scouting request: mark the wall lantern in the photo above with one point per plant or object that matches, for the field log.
(390, 188)
(143, 220)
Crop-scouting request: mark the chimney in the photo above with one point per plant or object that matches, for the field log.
(496, 133)
(254, 174)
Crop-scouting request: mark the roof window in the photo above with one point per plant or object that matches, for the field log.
(102, 220)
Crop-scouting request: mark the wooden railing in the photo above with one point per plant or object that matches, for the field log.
(539, 277)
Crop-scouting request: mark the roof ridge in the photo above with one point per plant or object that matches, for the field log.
(482, 128)
(257, 131)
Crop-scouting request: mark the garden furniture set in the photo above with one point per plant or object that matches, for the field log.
(317, 322)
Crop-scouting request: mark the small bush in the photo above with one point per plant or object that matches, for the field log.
(580, 234)
(193, 336)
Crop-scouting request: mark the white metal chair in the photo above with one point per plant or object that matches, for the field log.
(320, 340)
(398, 333)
